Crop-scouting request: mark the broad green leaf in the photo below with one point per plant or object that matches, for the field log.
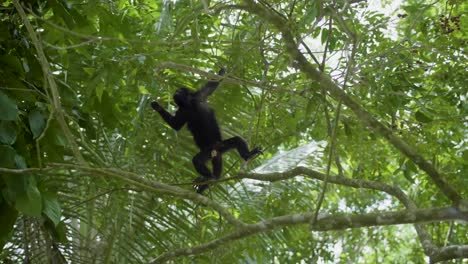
(422, 117)
(8, 108)
(12, 64)
(89, 70)
(54, 135)
(58, 231)
(37, 123)
(60, 11)
(4, 35)
(7, 132)
(15, 186)
(324, 36)
(61, 232)
(309, 17)
(316, 32)
(23, 192)
(7, 155)
(333, 42)
(52, 207)
(20, 162)
(30, 201)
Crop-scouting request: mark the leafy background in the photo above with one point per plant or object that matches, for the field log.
(90, 174)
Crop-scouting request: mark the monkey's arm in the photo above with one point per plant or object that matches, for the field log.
(176, 121)
(209, 87)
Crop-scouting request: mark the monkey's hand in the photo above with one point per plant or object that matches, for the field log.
(222, 71)
(156, 106)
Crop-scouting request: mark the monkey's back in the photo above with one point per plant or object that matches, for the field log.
(202, 123)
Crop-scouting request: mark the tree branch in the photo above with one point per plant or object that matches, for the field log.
(324, 223)
(449, 253)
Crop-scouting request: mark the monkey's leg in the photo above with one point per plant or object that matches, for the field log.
(241, 146)
(199, 161)
(217, 162)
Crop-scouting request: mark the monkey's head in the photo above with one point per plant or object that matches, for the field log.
(183, 97)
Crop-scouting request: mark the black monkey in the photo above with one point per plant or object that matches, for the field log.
(201, 121)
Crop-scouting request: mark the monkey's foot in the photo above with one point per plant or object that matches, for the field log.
(200, 188)
(222, 71)
(254, 153)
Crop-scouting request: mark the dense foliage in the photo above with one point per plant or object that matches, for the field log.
(362, 116)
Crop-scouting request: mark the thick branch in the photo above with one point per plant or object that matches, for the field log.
(338, 94)
(324, 223)
(390, 218)
(355, 183)
(449, 253)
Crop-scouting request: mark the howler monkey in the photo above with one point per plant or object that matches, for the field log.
(201, 121)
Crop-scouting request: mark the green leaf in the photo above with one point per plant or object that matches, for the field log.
(90, 71)
(8, 108)
(142, 89)
(309, 16)
(7, 155)
(333, 42)
(20, 162)
(30, 202)
(324, 36)
(7, 132)
(12, 64)
(54, 135)
(4, 35)
(422, 117)
(99, 91)
(465, 156)
(52, 207)
(61, 232)
(37, 123)
(22, 191)
(316, 32)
